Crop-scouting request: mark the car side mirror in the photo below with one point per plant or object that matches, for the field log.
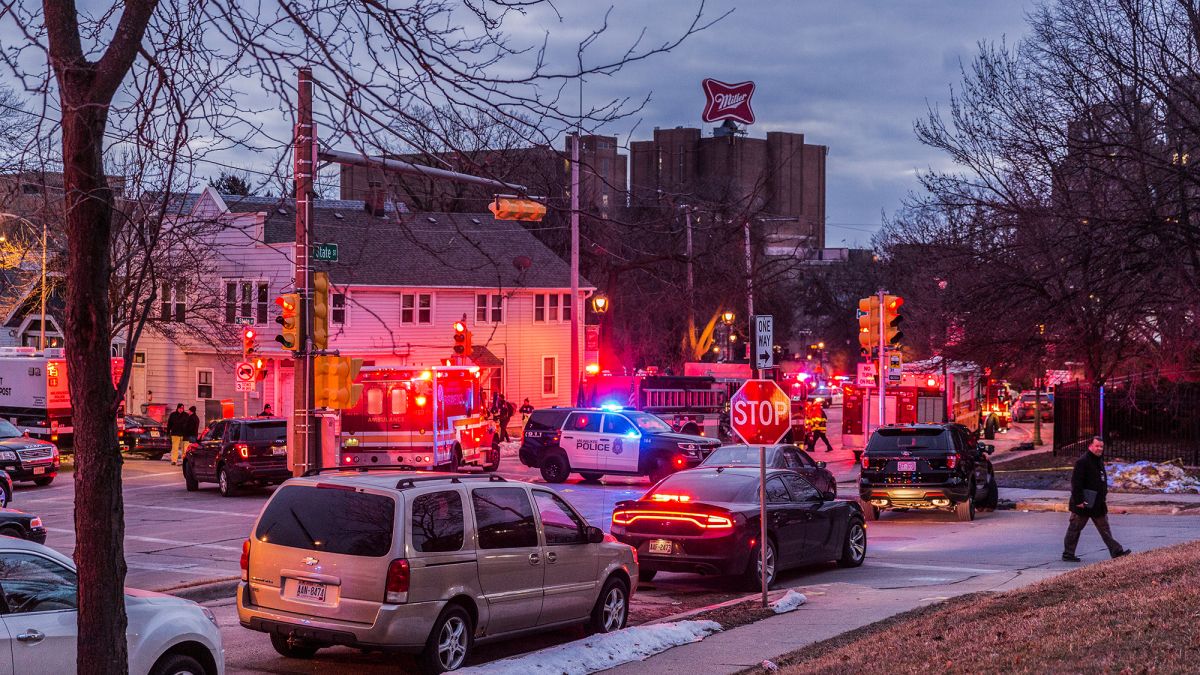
(988, 448)
(821, 465)
(595, 535)
(828, 496)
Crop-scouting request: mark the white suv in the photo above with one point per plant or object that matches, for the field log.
(427, 563)
(166, 635)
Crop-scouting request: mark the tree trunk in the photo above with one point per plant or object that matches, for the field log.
(99, 504)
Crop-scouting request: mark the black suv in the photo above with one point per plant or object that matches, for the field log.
(594, 443)
(927, 466)
(238, 451)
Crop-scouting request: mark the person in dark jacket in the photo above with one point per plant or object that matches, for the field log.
(193, 425)
(177, 429)
(503, 416)
(1089, 474)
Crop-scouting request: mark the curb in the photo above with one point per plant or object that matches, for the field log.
(203, 591)
(1165, 509)
(771, 597)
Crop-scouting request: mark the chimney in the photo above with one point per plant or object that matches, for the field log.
(375, 203)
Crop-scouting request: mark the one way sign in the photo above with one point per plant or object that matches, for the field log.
(764, 341)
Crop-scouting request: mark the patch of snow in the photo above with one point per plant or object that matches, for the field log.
(769, 666)
(1167, 478)
(600, 652)
(510, 448)
(791, 600)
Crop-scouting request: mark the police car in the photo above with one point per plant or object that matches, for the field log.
(611, 441)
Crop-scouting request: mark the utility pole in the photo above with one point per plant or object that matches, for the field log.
(749, 286)
(305, 444)
(575, 370)
(691, 283)
(42, 335)
(883, 371)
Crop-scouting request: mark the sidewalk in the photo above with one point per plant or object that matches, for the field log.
(1118, 502)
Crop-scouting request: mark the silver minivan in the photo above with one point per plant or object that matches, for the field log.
(428, 563)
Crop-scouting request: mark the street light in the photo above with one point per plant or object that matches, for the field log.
(599, 304)
(727, 318)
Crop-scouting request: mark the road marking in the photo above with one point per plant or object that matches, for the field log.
(157, 567)
(934, 568)
(203, 512)
(184, 544)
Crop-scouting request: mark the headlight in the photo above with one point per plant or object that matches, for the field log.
(9, 455)
(209, 615)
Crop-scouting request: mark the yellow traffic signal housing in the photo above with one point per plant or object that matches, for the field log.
(892, 320)
(517, 209)
(289, 332)
(333, 382)
(868, 323)
(320, 313)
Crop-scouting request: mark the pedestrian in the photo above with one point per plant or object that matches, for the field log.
(526, 408)
(177, 429)
(193, 425)
(1089, 492)
(503, 415)
(267, 411)
(817, 425)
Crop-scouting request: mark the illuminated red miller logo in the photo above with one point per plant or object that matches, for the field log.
(728, 101)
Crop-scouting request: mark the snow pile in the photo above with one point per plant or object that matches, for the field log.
(788, 602)
(1166, 478)
(510, 448)
(601, 652)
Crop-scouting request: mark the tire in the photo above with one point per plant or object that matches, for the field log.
(5, 498)
(965, 511)
(449, 643)
(555, 468)
(225, 485)
(177, 664)
(989, 429)
(43, 482)
(854, 550)
(690, 429)
(646, 575)
(455, 460)
(992, 499)
(293, 649)
(492, 468)
(661, 469)
(611, 612)
(156, 457)
(12, 531)
(871, 511)
(189, 477)
(751, 579)
(591, 476)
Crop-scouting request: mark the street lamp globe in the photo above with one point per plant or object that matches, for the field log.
(727, 318)
(599, 304)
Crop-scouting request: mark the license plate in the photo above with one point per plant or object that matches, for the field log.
(278, 450)
(38, 470)
(308, 590)
(154, 433)
(661, 546)
(906, 466)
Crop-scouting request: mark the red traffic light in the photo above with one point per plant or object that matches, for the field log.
(895, 302)
(249, 334)
(459, 327)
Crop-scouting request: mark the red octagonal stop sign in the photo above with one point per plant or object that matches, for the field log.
(760, 412)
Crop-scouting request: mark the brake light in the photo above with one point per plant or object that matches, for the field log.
(347, 459)
(134, 430)
(243, 450)
(951, 461)
(679, 461)
(866, 462)
(660, 497)
(398, 577)
(704, 521)
(244, 562)
(35, 523)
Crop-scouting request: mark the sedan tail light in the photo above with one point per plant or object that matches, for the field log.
(244, 562)
(398, 576)
(705, 521)
(134, 430)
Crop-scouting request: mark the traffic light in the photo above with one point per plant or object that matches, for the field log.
(249, 342)
(462, 339)
(260, 368)
(333, 382)
(892, 320)
(320, 310)
(517, 209)
(868, 323)
(289, 333)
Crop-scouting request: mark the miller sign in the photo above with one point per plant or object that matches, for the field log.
(728, 101)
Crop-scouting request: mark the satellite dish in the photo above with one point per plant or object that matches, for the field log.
(522, 263)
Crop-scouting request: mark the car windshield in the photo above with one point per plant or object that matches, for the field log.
(7, 430)
(142, 420)
(736, 455)
(707, 486)
(893, 440)
(649, 423)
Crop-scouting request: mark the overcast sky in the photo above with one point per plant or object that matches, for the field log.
(849, 74)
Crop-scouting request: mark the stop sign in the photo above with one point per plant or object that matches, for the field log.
(760, 412)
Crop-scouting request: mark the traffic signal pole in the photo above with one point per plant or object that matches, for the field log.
(883, 373)
(305, 443)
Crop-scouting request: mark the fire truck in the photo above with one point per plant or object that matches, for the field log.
(690, 404)
(34, 394)
(419, 418)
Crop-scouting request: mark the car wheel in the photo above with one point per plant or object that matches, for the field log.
(455, 460)
(989, 429)
(662, 469)
(189, 477)
(555, 468)
(177, 664)
(854, 551)
(12, 531)
(612, 607)
(591, 476)
(225, 484)
(43, 482)
(752, 577)
(992, 498)
(646, 575)
(5, 498)
(293, 648)
(449, 642)
(494, 466)
(965, 511)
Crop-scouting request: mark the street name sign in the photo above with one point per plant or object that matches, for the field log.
(244, 320)
(760, 412)
(325, 252)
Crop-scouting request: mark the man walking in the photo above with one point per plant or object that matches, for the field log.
(1089, 490)
(526, 408)
(177, 424)
(504, 415)
(817, 425)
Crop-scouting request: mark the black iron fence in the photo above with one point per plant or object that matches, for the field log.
(1152, 417)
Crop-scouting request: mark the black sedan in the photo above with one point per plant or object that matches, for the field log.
(22, 525)
(6, 490)
(778, 457)
(706, 521)
(145, 436)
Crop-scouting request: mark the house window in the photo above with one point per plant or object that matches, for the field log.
(551, 307)
(416, 308)
(489, 308)
(552, 315)
(549, 375)
(567, 307)
(174, 300)
(337, 310)
(246, 299)
(204, 383)
(539, 308)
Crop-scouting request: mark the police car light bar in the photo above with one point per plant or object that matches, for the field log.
(611, 407)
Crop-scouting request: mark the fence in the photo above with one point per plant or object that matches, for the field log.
(1145, 417)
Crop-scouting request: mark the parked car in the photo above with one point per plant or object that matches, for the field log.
(6, 489)
(25, 458)
(145, 436)
(1024, 408)
(166, 635)
(706, 520)
(595, 443)
(21, 525)
(830, 396)
(428, 563)
(778, 457)
(927, 466)
(236, 452)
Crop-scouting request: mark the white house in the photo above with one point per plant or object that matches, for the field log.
(400, 282)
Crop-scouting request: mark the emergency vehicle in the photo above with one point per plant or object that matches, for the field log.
(34, 395)
(419, 418)
(690, 404)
